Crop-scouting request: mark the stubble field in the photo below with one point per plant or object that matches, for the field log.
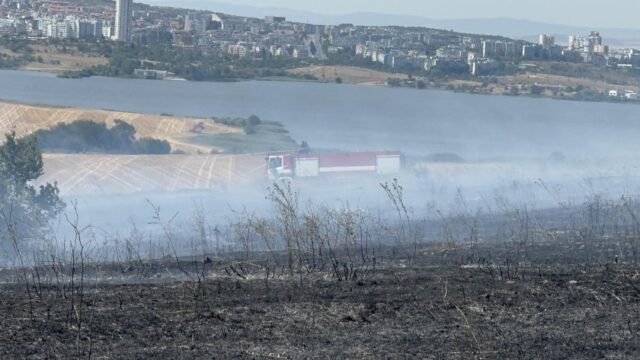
(178, 131)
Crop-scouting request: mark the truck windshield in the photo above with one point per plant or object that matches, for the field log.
(275, 162)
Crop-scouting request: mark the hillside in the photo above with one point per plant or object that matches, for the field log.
(178, 131)
(474, 24)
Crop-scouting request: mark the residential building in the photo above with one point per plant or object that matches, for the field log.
(594, 40)
(546, 40)
(123, 20)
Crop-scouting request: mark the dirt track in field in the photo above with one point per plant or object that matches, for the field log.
(105, 174)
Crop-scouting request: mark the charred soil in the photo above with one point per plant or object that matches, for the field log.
(443, 303)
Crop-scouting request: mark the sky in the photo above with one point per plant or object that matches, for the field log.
(617, 13)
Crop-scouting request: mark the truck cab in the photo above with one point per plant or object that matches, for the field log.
(279, 166)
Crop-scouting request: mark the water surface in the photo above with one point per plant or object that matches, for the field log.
(354, 117)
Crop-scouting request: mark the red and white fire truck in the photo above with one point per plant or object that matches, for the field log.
(308, 165)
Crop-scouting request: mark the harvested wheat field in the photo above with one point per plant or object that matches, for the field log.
(25, 119)
(108, 174)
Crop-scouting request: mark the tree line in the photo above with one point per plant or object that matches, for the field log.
(86, 136)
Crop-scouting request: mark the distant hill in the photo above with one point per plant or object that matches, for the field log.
(514, 28)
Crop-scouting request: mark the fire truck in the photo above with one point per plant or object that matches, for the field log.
(310, 165)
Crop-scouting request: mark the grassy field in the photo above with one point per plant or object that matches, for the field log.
(549, 80)
(58, 59)
(263, 138)
(348, 74)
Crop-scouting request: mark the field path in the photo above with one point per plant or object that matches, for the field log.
(106, 174)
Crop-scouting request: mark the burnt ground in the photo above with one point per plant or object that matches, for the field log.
(439, 306)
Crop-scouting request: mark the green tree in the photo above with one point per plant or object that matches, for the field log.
(123, 136)
(312, 48)
(88, 136)
(152, 146)
(536, 90)
(23, 206)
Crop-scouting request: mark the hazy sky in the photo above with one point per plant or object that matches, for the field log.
(617, 13)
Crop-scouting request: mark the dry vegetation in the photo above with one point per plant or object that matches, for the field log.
(25, 119)
(446, 312)
(541, 75)
(311, 282)
(55, 59)
(349, 74)
(549, 80)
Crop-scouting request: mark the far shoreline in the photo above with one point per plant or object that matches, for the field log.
(294, 79)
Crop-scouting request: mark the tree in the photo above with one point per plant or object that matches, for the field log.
(304, 147)
(87, 136)
(23, 207)
(536, 90)
(254, 120)
(152, 146)
(312, 48)
(123, 136)
(20, 160)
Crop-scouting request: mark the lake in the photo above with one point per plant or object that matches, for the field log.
(354, 117)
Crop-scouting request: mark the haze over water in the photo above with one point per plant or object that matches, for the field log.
(350, 117)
